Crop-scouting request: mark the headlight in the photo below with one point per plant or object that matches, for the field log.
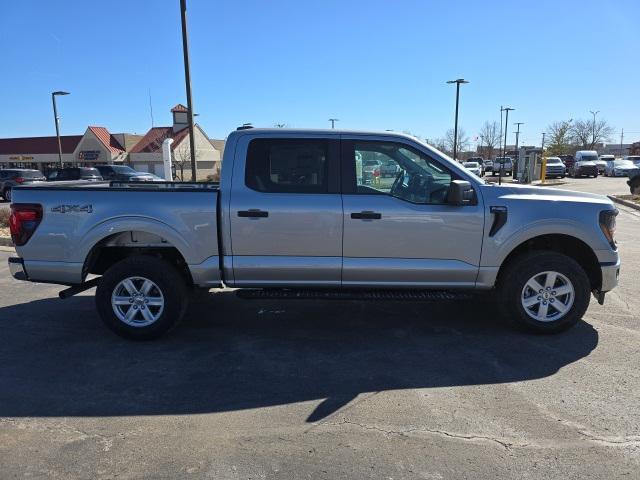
(608, 225)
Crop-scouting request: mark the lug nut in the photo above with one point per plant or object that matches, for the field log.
(131, 300)
(544, 303)
(539, 297)
(142, 307)
(553, 293)
(552, 300)
(541, 291)
(135, 307)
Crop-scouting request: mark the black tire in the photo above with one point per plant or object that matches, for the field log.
(7, 194)
(520, 270)
(168, 281)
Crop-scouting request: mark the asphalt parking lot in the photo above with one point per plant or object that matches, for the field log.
(311, 389)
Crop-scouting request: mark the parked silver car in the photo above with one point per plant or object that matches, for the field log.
(292, 218)
(619, 168)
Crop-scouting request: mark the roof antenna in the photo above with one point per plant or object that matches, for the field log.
(150, 108)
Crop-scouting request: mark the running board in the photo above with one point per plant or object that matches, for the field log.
(329, 294)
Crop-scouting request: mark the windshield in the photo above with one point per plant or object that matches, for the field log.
(31, 174)
(623, 163)
(89, 172)
(471, 164)
(554, 161)
(122, 169)
(371, 163)
(588, 158)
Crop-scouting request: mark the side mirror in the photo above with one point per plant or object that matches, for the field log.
(460, 193)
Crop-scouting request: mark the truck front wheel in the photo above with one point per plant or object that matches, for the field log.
(544, 291)
(141, 297)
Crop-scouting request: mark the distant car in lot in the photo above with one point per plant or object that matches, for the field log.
(74, 173)
(633, 158)
(389, 169)
(555, 168)
(602, 161)
(473, 167)
(568, 161)
(371, 170)
(123, 173)
(619, 168)
(584, 164)
(480, 162)
(502, 163)
(488, 166)
(12, 177)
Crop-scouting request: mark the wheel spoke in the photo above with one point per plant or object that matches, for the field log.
(563, 290)
(155, 301)
(148, 316)
(129, 286)
(534, 285)
(122, 300)
(542, 311)
(559, 306)
(130, 315)
(551, 279)
(531, 301)
(146, 287)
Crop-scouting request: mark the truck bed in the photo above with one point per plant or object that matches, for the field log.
(77, 216)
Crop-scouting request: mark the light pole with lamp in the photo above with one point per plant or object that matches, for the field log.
(504, 148)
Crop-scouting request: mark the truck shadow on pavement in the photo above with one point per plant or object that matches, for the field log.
(57, 359)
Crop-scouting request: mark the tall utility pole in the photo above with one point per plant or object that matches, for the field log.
(187, 80)
(501, 110)
(543, 165)
(455, 128)
(504, 149)
(333, 122)
(621, 138)
(57, 120)
(593, 128)
(517, 143)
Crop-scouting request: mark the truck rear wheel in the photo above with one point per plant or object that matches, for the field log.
(544, 291)
(141, 297)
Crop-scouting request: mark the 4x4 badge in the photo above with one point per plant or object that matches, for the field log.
(73, 208)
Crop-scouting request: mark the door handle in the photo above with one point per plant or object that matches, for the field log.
(253, 213)
(366, 215)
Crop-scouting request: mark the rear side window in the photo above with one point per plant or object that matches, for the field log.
(287, 165)
(32, 174)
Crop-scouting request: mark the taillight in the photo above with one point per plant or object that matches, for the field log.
(23, 221)
(18, 180)
(376, 172)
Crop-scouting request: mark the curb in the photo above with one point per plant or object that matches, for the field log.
(624, 202)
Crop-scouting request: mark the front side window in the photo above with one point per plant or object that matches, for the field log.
(287, 166)
(396, 170)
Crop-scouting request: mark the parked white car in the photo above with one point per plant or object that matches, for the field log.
(473, 167)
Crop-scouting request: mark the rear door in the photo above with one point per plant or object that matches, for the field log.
(286, 211)
(400, 231)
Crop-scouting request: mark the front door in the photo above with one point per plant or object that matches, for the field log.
(286, 212)
(398, 229)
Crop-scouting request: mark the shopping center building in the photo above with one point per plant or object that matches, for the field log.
(98, 146)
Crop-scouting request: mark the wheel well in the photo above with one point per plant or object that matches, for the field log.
(567, 245)
(119, 246)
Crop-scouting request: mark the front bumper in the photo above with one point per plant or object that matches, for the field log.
(16, 267)
(610, 274)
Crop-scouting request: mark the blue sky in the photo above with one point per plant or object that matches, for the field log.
(373, 64)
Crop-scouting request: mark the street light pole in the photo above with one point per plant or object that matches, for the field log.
(593, 128)
(504, 148)
(543, 166)
(455, 128)
(57, 120)
(187, 80)
(333, 122)
(517, 143)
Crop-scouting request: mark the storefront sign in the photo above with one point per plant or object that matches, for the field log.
(88, 154)
(21, 158)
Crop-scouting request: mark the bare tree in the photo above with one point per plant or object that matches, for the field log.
(439, 143)
(182, 158)
(588, 133)
(489, 137)
(463, 143)
(559, 137)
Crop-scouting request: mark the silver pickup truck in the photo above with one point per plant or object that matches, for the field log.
(294, 216)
